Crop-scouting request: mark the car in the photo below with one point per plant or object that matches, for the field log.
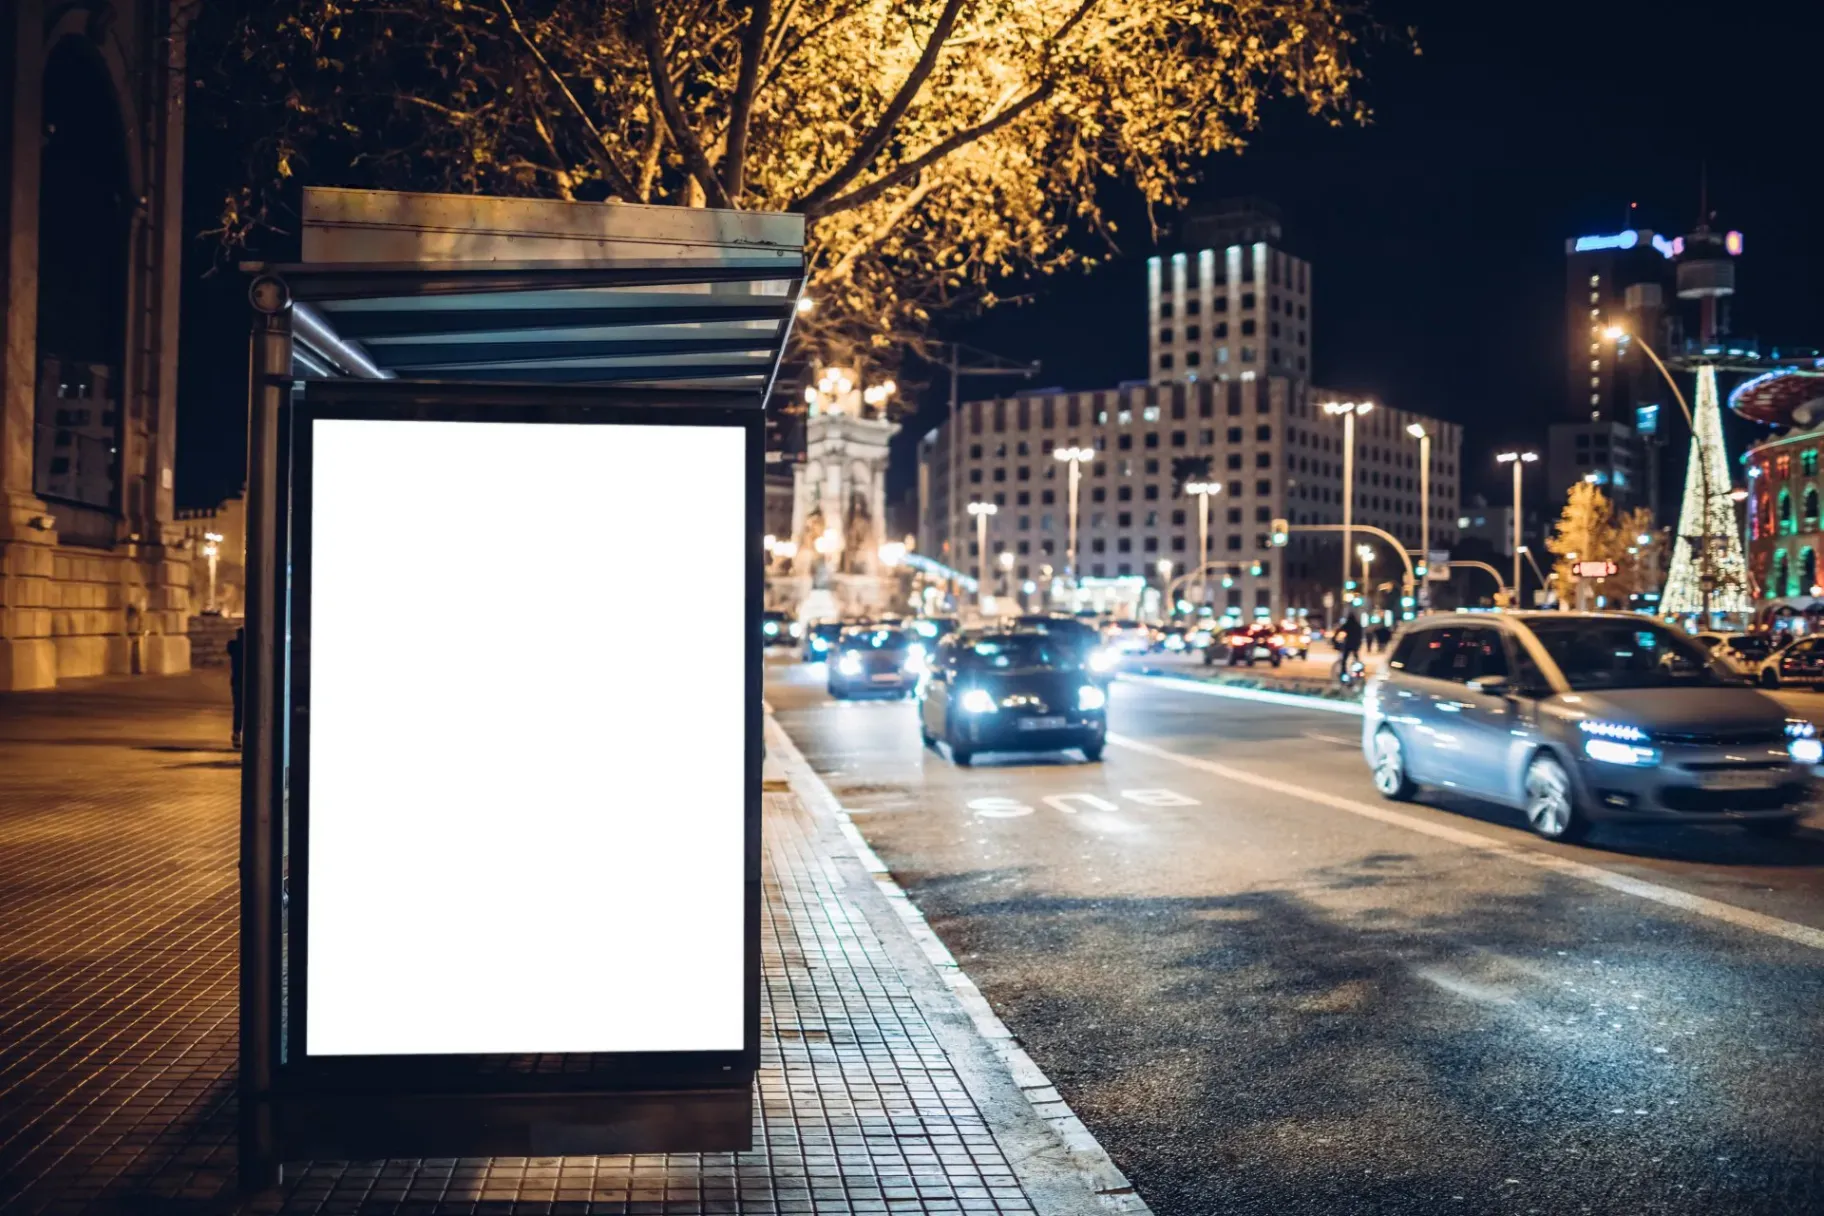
(778, 628)
(874, 660)
(930, 629)
(1744, 652)
(1578, 718)
(1797, 664)
(1256, 643)
(1127, 637)
(1018, 690)
(818, 639)
(1173, 639)
(1077, 633)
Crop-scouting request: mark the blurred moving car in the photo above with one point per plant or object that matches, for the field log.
(873, 660)
(1580, 717)
(1127, 637)
(1744, 653)
(1014, 690)
(819, 638)
(933, 629)
(1256, 643)
(1798, 664)
(779, 629)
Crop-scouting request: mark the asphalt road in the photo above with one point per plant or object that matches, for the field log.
(1265, 990)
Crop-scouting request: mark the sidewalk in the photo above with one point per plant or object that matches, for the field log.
(878, 1091)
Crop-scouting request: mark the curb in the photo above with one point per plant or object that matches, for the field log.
(1210, 688)
(1086, 1181)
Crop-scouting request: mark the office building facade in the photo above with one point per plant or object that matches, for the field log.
(1265, 440)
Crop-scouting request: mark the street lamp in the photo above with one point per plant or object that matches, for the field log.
(1366, 553)
(1424, 437)
(981, 511)
(212, 548)
(1076, 458)
(1347, 410)
(892, 553)
(1203, 490)
(1006, 560)
(1519, 460)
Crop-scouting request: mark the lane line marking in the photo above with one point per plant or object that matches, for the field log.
(1323, 738)
(1205, 688)
(1111, 1191)
(1640, 888)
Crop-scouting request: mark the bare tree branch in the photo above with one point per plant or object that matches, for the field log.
(876, 140)
(907, 170)
(666, 95)
(741, 109)
(598, 149)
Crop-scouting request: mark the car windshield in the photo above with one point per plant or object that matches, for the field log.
(1007, 652)
(1621, 653)
(875, 639)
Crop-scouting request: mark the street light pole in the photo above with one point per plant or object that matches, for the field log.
(1519, 460)
(981, 511)
(1424, 437)
(1348, 410)
(1075, 458)
(1366, 553)
(1203, 490)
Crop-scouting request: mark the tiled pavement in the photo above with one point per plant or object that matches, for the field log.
(118, 818)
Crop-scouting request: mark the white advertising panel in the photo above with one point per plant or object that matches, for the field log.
(526, 738)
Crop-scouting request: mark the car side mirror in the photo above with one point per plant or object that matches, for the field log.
(1494, 686)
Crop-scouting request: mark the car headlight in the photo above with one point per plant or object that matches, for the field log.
(797, 629)
(1612, 730)
(1609, 751)
(770, 629)
(1799, 728)
(1175, 642)
(849, 664)
(1091, 697)
(915, 660)
(820, 644)
(977, 701)
(1806, 751)
(1101, 660)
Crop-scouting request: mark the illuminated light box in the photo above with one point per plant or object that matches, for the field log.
(526, 807)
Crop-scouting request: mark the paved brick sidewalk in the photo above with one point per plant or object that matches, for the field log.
(118, 816)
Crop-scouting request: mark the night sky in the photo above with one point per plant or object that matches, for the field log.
(1436, 234)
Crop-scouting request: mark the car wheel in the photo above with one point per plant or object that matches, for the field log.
(1551, 800)
(1276, 660)
(1092, 752)
(1390, 776)
(959, 754)
(1770, 678)
(1772, 829)
(924, 733)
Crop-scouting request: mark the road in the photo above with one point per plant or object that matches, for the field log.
(1265, 990)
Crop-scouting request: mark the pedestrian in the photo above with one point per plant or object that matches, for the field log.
(237, 651)
(1382, 636)
(1349, 639)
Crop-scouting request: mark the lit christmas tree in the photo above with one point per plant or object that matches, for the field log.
(1709, 550)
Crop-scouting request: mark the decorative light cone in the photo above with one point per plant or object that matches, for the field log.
(1708, 545)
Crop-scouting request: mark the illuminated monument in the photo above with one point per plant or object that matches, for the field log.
(834, 566)
(1709, 573)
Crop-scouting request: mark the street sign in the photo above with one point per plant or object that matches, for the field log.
(1437, 566)
(1594, 569)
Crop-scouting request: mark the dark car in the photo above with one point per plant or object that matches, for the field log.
(1011, 691)
(933, 629)
(874, 660)
(819, 638)
(778, 628)
(1262, 643)
(1799, 664)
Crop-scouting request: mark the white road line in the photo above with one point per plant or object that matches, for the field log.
(1209, 689)
(1323, 738)
(1741, 918)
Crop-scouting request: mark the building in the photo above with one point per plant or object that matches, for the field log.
(1609, 454)
(93, 576)
(1265, 440)
(1238, 306)
(1785, 523)
(1489, 531)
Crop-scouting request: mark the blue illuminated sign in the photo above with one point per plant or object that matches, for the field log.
(1664, 246)
(1646, 419)
(1619, 240)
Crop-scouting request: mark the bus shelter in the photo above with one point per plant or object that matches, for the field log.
(500, 844)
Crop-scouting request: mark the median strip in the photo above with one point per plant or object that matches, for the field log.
(1241, 692)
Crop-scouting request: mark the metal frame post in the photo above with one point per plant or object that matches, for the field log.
(268, 389)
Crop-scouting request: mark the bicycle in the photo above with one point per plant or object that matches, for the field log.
(1348, 671)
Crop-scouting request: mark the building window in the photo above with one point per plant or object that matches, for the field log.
(1165, 310)
(1124, 544)
(1165, 336)
(1263, 488)
(975, 451)
(1234, 544)
(1247, 301)
(1234, 515)
(1222, 329)
(1234, 460)
(1263, 460)
(975, 477)
(1247, 328)
(1808, 461)
(1098, 545)
(1023, 498)
(1165, 362)
(1152, 464)
(1151, 440)
(1150, 544)
(1193, 307)
(1264, 434)
(1193, 358)
(1151, 494)
(1177, 439)
(1124, 493)
(1177, 544)
(1099, 494)
(1124, 443)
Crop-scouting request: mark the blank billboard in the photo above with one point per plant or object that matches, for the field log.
(526, 741)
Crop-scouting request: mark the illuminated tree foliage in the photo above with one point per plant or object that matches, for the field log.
(935, 146)
(1589, 530)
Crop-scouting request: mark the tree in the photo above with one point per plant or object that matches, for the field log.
(936, 147)
(1589, 531)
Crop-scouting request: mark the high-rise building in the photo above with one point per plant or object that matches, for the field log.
(1266, 440)
(1236, 305)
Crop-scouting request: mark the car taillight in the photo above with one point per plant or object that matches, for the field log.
(1277, 640)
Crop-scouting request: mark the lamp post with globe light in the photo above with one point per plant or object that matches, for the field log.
(1424, 437)
(981, 511)
(1519, 460)
(1347, 411)
(1076, 458)
(1203, 490)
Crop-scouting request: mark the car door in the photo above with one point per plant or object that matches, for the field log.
(1419, 690)
(934, 705)
(1486, 736)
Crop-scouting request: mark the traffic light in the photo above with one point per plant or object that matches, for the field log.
(1421, 570)
(1349, 586)
(1281, 530)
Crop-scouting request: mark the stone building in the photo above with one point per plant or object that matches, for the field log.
(93, 578)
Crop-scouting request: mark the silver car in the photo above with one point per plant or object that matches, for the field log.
(1579, 717)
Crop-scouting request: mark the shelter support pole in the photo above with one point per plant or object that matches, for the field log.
(268, 388)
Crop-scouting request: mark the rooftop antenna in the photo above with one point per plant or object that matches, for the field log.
(1703, 196)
